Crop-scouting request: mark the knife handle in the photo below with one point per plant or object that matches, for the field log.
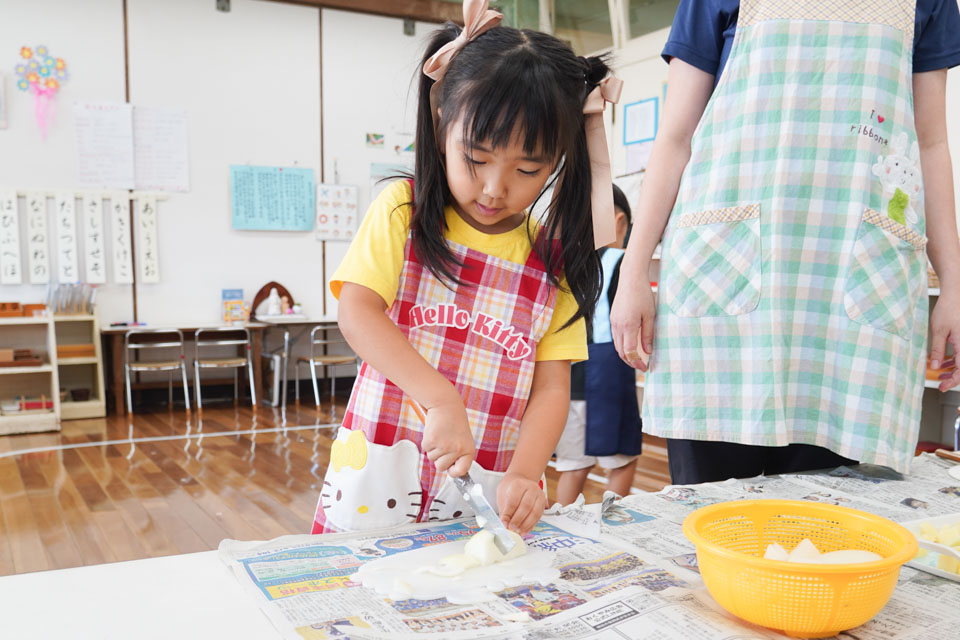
(949, 455)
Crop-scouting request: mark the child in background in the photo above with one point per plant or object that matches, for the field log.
(603, 424)
(801, 166)
(457, 299)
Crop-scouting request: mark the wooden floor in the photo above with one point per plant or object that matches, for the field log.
(107, 490)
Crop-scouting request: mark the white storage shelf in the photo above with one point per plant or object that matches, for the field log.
(81, 329)
(36, 333)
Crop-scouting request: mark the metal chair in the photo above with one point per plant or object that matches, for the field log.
(319, 359)
(220, 337)
(154, 339)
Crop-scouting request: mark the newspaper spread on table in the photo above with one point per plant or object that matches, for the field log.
(628, 573)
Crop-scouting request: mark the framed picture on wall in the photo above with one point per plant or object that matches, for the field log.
(3, 101)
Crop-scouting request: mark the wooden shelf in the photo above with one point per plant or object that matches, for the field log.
(44, 368)
(84, 360)
(87, 318)
(30, 423)
(24, 320)
(85, 409)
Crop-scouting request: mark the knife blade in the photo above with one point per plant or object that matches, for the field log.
(487, 518)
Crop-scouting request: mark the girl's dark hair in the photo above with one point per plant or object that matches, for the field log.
(503, 78)
(620, 202)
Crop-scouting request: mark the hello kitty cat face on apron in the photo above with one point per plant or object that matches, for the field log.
(368, 485)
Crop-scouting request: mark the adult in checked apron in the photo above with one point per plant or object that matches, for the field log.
(793, 293)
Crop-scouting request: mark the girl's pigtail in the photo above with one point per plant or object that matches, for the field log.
(431, 192)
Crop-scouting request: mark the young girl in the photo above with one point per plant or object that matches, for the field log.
(791, 319)
(455, 298)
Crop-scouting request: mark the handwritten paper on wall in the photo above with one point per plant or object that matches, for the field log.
(66, 221)
(104, 145)
(10, 270)
(272, 198)
(160, 149)
(640, 121)
(336, 212)
(120, 238)
(38, 244)
(149, 254)
(94, 261)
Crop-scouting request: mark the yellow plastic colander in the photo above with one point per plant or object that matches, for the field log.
(801, 600)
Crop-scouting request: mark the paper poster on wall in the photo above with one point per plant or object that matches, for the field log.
(640, 121)
(120, 238)
(94, 253)
(3, 101)
(336, 212)
(10, 269)
(148, 255)
(38, 242)
(272, 198)
(65, 217)
(638, 155)
(161, 157)
(104, 133)
(383, 173)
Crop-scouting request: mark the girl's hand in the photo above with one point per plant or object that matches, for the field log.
(631, 320)
(521, 502)
(944, 327)
(447, 439)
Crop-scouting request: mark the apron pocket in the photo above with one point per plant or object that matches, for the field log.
(885, 278)
(449, 503)
(715, 268)
(369, 485)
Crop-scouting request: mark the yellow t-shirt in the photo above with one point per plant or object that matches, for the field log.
(375, 259)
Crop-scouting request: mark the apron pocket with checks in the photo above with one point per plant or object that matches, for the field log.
(885, 278)
(715, 267)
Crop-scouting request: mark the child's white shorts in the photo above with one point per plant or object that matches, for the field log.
(573, 442)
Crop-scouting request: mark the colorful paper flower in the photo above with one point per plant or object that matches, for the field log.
(60, 64)
(51, 83)
(33, 65)
(22, 84)
(41, 50)
(62, 75)
(26, 52)
(21, 69)
(33, 78)
(45, 71)
(49, 62)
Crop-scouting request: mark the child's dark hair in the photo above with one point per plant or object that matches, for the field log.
(620, 203)
(503, 78)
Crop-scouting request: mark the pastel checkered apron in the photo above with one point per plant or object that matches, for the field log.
(483, 337)
(793, 301)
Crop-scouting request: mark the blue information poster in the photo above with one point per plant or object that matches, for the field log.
(272, 198)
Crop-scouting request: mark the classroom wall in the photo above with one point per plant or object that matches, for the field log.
(369, 67)
(88, 34)
(250, 83)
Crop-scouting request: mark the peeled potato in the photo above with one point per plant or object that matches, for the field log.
(849, 556)
(776, 552)
(806, 551)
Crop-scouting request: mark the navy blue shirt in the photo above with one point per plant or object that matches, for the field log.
(702, 34)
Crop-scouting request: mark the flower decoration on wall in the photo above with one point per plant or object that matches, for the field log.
(41, 74)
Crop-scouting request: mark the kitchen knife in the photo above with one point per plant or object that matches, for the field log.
(472, 493)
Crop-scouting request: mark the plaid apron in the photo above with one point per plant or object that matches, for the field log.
(483, 337)
(793, 300)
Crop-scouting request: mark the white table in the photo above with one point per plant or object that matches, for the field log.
(183, 597)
